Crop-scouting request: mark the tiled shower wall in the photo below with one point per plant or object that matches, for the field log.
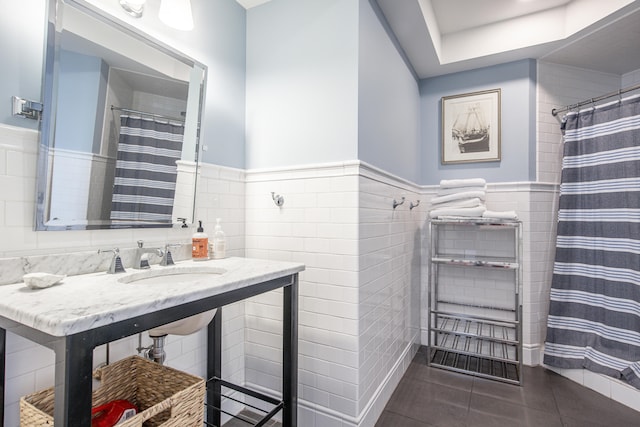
(560, 85)
(534, 204)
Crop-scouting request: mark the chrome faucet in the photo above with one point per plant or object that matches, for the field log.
(167, 258)
(116, 262)
(140, 261)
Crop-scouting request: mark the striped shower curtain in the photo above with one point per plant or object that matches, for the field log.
(146, 172)
(594, 315)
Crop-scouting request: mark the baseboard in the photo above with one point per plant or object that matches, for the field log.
(531, 354)
(313, 415)
(372, 411)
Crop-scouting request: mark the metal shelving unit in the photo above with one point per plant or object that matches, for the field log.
(474, 299)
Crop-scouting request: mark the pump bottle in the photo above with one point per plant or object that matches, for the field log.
(200, 244)
(219, 242)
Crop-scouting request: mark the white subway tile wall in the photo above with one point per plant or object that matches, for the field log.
(359, 310)
(390, 280)
(558, 86)
(316, 225)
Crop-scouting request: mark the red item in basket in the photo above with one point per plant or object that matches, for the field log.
(111, 413)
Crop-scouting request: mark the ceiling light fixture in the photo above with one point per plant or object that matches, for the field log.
(134, 8)
(176, 14)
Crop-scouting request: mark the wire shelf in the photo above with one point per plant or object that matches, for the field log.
(501, 370)
(496, 331)
(474, 313)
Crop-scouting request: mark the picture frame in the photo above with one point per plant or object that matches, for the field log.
(471, 127)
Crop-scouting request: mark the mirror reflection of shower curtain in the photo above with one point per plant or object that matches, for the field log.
(594, 314)
(145, 178)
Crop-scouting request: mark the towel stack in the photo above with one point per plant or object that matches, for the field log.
(459, 197)
(465, 198)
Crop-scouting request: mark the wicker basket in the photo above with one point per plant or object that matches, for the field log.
(165, 397)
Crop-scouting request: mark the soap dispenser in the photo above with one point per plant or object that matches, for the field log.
(219, 242)
(200, 244)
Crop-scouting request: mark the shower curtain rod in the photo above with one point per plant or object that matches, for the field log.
(144, 113)
(555, 111)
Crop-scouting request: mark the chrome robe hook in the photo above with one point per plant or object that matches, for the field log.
(277, 199)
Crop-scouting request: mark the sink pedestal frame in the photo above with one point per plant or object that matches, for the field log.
(74, 353)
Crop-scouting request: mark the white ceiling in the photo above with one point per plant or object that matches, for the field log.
(445, 36)
(248, 4)
(457, 15)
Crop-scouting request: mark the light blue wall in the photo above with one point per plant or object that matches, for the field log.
(218, 41)
(326, 84)
(517, 82)
(302, 82)
(323, 84)
(82, 86)
(21, 49)
(388, 102)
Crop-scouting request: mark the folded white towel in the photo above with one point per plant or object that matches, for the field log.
(458, 196)
(470, 182)
(463, 203)
(464, 212)
(500, 214)
(447, 191)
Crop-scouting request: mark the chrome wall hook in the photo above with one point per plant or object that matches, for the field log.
(414, 205)
(397, 203)
(277, 199)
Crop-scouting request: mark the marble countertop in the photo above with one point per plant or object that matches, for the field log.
(83, 302)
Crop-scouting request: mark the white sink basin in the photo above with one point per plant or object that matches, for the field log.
(172, 275)
(185, 326)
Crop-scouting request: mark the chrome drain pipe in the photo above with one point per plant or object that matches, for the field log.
(155, 352)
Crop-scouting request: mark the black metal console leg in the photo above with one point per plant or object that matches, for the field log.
(290, 355)
(3, 350)
(214, 369)
(74, 363)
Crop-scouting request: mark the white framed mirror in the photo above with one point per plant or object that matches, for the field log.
(120, 125)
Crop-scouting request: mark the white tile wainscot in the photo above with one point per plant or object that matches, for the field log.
(358, 296)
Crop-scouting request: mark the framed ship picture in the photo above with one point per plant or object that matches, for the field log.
(471, 127)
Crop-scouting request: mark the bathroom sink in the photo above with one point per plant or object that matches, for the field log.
(172, 275)
(184, 326)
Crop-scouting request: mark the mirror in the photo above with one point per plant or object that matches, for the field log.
(120, 125)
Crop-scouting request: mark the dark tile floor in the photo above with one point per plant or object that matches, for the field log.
(434, 397)
(248, 419)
